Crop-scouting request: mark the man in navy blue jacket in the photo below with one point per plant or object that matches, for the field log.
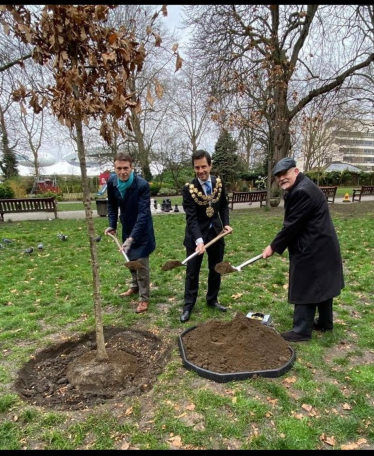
(131, 194)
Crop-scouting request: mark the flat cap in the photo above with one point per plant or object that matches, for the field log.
(284, 165)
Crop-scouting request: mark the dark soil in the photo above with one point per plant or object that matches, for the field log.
(136, 358)
(240, 345)
(61, 377)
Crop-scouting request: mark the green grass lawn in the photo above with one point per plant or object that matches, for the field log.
(325, 401)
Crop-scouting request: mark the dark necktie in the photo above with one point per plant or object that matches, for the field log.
(208, 188)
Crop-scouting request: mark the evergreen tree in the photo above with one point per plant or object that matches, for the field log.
(226, 163)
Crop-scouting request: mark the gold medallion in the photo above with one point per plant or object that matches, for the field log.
(209, 211)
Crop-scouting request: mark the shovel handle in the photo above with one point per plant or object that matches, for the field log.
(221, 235)
(252, 260)
(119, 246)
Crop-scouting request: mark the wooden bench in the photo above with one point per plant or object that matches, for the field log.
(248, 197)
(330, 193)
(17, 205)
(364, 190)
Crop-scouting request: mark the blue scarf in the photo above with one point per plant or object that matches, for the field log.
(124, 185)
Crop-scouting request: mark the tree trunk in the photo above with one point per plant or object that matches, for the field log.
(100, 342)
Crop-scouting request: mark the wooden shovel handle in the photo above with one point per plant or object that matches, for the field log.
(221, 235)
(119, 246)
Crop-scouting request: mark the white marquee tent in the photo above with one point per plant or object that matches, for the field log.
(62, 168)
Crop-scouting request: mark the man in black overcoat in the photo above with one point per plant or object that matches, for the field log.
(316, 269)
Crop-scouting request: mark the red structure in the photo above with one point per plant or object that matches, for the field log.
(103, 177)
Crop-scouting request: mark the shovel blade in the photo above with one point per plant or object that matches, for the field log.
(171, 265)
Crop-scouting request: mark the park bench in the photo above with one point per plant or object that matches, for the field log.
(330, 193)
(17, 205)
(247, 197)
(365, 190)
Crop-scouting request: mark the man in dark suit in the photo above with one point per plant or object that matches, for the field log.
(316, 267)
(207, 214)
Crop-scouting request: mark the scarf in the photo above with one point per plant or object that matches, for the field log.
(124, 185)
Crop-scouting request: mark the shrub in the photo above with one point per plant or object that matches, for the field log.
(6, 191)
(167, 192)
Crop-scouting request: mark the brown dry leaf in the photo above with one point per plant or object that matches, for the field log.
(190, 407)
(347, 407)
(149, 96)
(237, 296)
(350, 446)
(174, 47)
(361, 441)
(272, 401)
(125, 446)
(234, 400)
(129, 411)
(329, 440)
(307, 407)
(176, 441)
(178, 64)
(289, 380)
(299, 416)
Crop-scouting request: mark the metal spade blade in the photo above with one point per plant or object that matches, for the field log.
(129, 264)
(225, 268)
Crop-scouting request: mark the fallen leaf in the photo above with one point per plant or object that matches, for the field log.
(347, 407)
(350, 446)
(307, 407)
(176, 441)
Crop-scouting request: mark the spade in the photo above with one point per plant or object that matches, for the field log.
(129, 264)
(225, 268)
(171, 264)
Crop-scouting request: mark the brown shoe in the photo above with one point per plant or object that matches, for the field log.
(142, 307)
(129, 292)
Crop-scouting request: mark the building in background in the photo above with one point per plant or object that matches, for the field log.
(354, 144)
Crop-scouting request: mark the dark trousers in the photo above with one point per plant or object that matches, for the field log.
(215, 255)
(303, 317)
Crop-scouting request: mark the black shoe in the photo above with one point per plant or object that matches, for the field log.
(291, 336)
(185, 316)
(318, 327)
(218, 306)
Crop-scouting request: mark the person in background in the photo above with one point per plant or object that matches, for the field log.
(207, 213)
(131, 195)
(316, 268)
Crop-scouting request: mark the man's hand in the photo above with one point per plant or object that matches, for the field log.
(268, 252)
(109, 230)
(127, 244)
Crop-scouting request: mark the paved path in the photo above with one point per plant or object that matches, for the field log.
(81, 214)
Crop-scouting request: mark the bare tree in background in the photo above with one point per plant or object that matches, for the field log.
(188, 108)
(295, 53)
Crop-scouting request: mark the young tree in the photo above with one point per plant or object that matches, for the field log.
(90, 64)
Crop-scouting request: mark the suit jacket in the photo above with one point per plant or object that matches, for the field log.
(202, 210)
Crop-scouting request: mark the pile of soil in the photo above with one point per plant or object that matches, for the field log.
(240, 345)
(61, 376)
